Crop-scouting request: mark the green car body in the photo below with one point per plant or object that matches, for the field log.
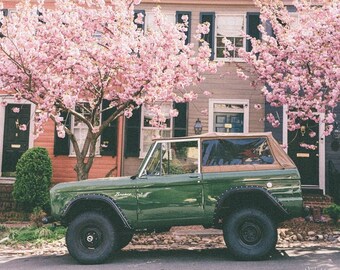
(198, 180)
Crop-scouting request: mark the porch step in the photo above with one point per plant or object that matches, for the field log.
(7, 180)
(7, 202)
(317, 201)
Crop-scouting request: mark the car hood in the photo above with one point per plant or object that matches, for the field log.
(94, 184)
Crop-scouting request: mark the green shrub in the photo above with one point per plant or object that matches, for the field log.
(333, 211)
(33, 179)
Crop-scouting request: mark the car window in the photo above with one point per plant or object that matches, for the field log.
(236, 152)
(173, 158)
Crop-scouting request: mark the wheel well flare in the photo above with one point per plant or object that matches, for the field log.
(250, 196)
(97, 202)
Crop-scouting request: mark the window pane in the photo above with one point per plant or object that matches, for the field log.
(236, 152)
(239, 42)
(181, 158)
(154, 165)
(150, 134)
(80, 128)
(228, 122)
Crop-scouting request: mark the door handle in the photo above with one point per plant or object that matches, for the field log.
(194, 176)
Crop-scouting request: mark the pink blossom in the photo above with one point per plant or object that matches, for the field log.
(71, 66)
(60, 131)
(257, 106)
(312, 134)
(173, 113)
(308, 146)
(3, 103)
(204, 112)
(203, 28)
(95, 129)
(185, 18)
(140, 18)
(22, 127)
(297, 66)
(207, 93)
(15, 109)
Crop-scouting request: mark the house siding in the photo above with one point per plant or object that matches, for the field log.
(63, 165)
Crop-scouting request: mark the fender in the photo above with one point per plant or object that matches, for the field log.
(96, 197)
(243, 190)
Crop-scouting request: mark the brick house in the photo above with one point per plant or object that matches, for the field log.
(233, 106)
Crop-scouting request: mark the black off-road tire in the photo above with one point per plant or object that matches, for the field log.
(250, 234)
(124, 239)
(91, 237)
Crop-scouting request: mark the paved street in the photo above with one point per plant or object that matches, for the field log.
(308, 258)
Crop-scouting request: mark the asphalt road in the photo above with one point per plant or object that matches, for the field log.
(314, 258)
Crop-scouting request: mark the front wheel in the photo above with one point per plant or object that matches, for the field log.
(91, 238)
(249, 234)
(125, 238)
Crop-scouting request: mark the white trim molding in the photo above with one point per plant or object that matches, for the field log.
(241, 106)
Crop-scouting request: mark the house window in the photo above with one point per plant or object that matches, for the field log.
(229, 27)
(228, 116)
(80, 129)
(150, 24)
(107, 144)
(149, 132)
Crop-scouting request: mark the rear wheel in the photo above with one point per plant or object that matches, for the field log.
(250, 234)
(91, 238)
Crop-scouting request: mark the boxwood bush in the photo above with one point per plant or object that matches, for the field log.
(33, 179)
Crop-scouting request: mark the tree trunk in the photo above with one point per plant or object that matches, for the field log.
(81, 171)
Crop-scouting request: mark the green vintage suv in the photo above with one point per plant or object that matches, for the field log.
(243, 184)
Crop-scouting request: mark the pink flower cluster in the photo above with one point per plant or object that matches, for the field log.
(83, 51)
(300, 63)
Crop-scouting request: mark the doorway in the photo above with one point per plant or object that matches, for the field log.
(304, 149)
(16, 136)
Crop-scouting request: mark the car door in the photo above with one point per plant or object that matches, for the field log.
(169, 191)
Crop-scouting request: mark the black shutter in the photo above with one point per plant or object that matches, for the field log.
(136, 12)
(210, 37)
(4, 13)
(132, 134)
(62, 145)
(278, 113)
(253, 20)
(108, 139)
(179, 15)
(181, 121)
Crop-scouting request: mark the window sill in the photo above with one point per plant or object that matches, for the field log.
(74, 156)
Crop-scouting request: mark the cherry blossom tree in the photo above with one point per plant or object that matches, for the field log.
(79, 53)
(298, 60)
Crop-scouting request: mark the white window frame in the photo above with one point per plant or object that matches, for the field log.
(237, 102)
(81, 140)
(239, 35)
(156, 130)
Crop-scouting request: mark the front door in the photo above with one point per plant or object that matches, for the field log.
(170, 191)
(16, 136)
(303, 148)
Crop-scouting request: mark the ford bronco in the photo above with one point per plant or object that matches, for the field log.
(243, 184)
